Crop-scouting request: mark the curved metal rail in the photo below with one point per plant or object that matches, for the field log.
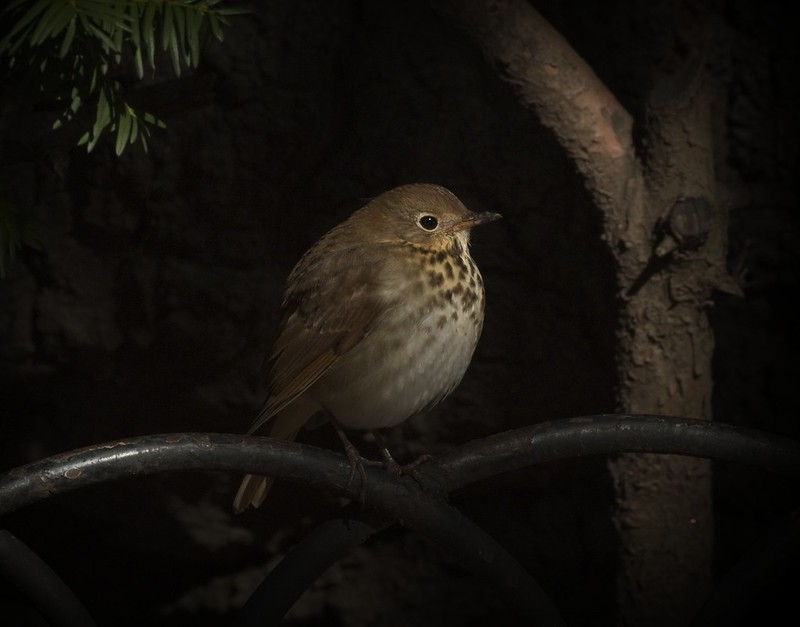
(402, 499)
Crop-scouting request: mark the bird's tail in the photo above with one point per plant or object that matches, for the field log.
(283, 426)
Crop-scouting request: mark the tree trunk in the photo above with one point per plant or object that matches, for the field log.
(665, 345)
(664, 226)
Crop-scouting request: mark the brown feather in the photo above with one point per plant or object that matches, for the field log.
(315, 334)
(284, 426)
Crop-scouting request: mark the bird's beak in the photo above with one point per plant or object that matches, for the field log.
(486, 216)
(474, 220)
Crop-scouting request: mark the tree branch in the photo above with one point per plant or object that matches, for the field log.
(550, 78)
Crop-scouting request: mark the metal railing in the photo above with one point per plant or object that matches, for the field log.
(419, 502)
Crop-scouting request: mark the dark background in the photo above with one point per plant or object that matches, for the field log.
(153, 301)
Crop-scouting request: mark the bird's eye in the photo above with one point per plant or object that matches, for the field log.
(429, 223)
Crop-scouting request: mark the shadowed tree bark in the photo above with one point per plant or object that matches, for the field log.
(666, 228)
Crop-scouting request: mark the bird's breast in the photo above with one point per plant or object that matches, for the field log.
(419, 348)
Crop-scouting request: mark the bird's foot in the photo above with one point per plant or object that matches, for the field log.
(392, 467)
(357, 462)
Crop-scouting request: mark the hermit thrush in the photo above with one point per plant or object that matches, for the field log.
(380, 319)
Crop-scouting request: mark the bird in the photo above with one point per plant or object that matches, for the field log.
(380, 319)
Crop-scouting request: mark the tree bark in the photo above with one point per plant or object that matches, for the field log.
(665, 346)
(666, 231)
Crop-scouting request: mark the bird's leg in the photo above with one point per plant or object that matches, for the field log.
(353, 456)
(392, 467)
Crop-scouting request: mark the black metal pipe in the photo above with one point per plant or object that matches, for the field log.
(40, 585)
(775, 555)
(549, 441)
(301, 567)
(610, 435)
(400, 498)
(395, 498)
(178, 452)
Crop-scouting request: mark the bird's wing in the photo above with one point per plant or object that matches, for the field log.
(323, 319)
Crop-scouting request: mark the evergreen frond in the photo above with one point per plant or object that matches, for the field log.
(74, 44)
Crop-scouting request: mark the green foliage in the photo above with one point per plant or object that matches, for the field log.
(70, 51)
(73, 46)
